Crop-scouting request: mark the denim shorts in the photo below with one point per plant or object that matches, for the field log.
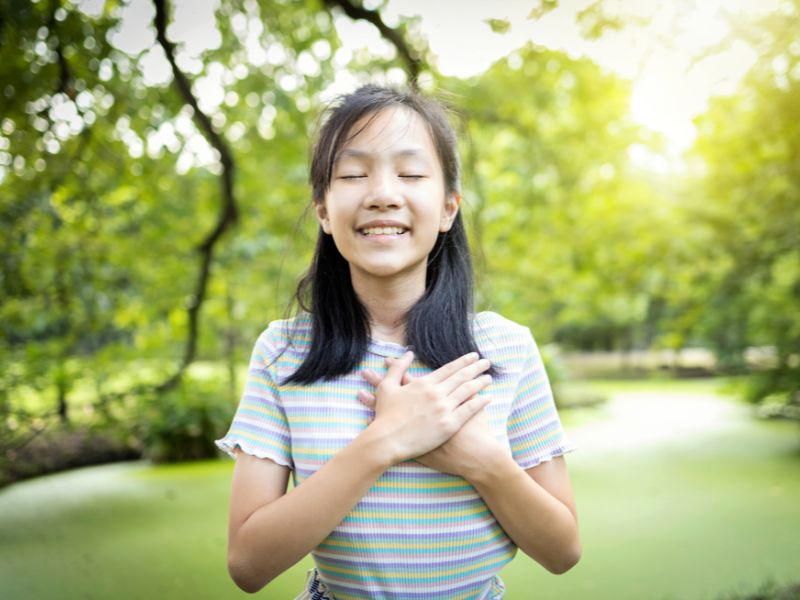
(314, 589)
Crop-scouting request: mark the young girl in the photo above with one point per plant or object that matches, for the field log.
(422, 438)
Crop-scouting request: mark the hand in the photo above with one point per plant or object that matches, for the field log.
(421, 415)
(465, 453)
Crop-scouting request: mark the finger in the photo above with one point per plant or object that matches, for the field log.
(407, 377)
(464, 374)
(398, 367)
(366, 398)
(468, 389)
(371, 376)
(469, 409)
(454, 366)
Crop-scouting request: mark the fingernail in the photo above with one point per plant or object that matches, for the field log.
(473, 355)
(409, 354)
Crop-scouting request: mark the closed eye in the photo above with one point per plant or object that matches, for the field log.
(351, 176)
(412, 176)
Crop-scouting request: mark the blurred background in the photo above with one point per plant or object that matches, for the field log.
(631, 182)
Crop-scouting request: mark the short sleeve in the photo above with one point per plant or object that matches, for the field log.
(534, 428)
(260, 427)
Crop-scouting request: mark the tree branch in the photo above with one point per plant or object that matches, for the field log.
(357, 12)
(228, 212)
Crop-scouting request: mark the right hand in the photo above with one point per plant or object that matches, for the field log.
(426, 412)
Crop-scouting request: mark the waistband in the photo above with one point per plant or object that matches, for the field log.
(317, 590)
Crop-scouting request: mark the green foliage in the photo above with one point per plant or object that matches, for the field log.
(750, 210)
(572, 236)
(595, 21)
(108, 187)
(542, 8)
(183, 423)
(499, 25)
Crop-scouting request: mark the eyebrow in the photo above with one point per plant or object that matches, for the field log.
(361, 154)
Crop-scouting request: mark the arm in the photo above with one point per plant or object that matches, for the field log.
(270, 530)
(535, 507)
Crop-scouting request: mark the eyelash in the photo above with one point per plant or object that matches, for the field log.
(351, 177)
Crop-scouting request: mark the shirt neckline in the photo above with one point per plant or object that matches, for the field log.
(390, 349)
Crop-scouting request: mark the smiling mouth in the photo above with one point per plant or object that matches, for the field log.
(376, 231)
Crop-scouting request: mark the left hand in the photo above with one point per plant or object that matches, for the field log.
(465, 453)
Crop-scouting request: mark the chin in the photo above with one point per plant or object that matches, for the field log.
(386, 270)
(383, 272)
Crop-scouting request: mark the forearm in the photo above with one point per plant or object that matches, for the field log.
(279, 534)
(542, 526)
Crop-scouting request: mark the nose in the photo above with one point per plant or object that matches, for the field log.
(384, 191)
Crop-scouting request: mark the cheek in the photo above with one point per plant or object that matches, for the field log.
(433, 217)
(341, 207)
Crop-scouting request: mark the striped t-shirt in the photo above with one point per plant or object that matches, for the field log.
(417, 533)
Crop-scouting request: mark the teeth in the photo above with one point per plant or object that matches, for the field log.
(383, 231)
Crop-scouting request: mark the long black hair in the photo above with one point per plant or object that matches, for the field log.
(439, 325)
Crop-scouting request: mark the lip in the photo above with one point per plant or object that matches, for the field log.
(382, 223)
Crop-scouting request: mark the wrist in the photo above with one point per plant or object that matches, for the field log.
(495, 466)
(375, 446)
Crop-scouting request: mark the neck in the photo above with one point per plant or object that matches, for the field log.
(387, 300)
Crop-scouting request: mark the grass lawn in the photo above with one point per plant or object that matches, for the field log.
(681, 495)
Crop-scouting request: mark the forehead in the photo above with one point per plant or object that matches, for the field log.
(387, 131)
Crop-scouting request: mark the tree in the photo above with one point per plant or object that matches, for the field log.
(749, 145)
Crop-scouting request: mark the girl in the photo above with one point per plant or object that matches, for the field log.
(422, 438)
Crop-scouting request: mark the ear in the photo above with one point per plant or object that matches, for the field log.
(322, 216)
(451, 205)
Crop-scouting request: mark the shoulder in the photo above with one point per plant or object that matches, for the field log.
(502, 340)
(494, 328)
(283, 333)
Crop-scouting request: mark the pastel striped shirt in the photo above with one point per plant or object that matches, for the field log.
(417, 533)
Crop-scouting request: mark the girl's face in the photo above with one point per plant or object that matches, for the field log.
(386, 203)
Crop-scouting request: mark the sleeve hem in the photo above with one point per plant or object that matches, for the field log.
(537, 460)
(228, 446)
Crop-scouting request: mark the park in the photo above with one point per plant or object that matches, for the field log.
(631, 193)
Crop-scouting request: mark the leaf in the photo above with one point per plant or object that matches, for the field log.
(542, 8)
(499, 25)
(594, 22)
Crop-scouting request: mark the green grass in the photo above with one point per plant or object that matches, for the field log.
(693, 514)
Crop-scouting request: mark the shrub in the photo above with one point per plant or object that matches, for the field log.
(62, 448)
(182, 423)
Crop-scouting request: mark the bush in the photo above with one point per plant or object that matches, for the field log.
(64, 448)
(182, 423)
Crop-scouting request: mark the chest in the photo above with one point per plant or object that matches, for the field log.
(326, 416)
